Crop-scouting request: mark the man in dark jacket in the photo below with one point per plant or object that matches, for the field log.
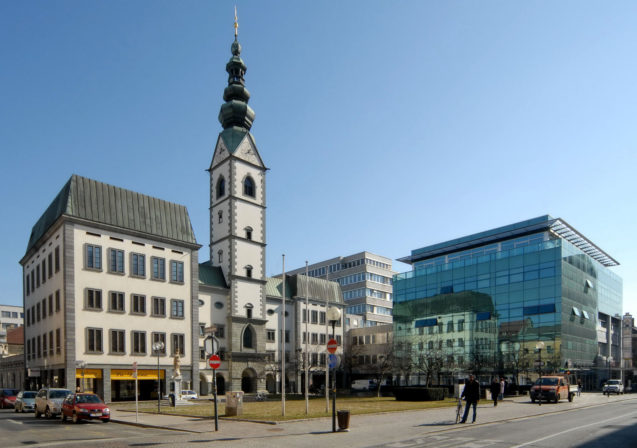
(471, 394)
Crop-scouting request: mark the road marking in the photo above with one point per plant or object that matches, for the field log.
(571, 430)
(17, 422)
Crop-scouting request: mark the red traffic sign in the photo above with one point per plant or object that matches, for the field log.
(214, 361)
(332, 345)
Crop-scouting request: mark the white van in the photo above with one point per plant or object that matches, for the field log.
(363, 385)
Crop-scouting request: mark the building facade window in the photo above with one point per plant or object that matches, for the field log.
(118, 342)
(177, 308)
(176, 271)
(159, 307)
(248, 269)
(220, 216)
(57, 258)
(138, 342)
(50, 304)
(138, 265)
(93, 299)
(248, 338)
(221, 187)
(248, 187)
(58, 341)
(271, 335)
(57, 301)
(93, 257)
(50, 265)
(116, 302)
(220, 332)
(116, 261)
(158, 268)
(94, 340)
(159, 337)
(178, 345)
(220, 256)
(138, 304)
(248, 231)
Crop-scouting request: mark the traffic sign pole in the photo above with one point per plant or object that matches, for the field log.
(215, 362)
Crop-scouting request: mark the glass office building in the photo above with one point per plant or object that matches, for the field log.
(483, 302)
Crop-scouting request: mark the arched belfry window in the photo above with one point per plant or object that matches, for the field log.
(248, 187)
(221, 187)
(248, 269)
(220, 256)
(249, 310)
(249, 338)
(248, 233)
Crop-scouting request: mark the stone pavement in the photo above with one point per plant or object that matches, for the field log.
(365, 429)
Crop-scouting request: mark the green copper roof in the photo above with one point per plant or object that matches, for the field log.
(295, 286)
(232, 137)
(211, 275)
(235, 111)
(101, 203)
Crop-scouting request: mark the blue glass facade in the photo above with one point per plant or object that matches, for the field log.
(481, 303)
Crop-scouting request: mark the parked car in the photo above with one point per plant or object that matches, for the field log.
(85, 406)
(551, 388)
(25, 401)
(613, 387)
(188, 395)
(49, 401)
(7, 398)
(363, 385)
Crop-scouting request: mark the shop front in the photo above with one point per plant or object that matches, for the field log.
(89, 380)
(123, 384)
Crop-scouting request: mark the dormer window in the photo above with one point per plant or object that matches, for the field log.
(248, 187)
(248, 233)
(221, 187)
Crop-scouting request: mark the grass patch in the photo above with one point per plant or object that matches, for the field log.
(270, 410)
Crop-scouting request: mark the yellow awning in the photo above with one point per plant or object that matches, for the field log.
(89, 373)
(127, 374)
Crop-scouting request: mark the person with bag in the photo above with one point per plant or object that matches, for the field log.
(471, 394)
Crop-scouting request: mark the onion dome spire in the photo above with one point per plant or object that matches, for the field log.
(235, 111)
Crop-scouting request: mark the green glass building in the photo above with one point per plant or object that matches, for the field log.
(483, 302)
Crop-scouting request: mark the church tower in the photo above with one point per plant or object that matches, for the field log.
(237, 229)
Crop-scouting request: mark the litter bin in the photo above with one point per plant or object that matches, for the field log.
(343, 420)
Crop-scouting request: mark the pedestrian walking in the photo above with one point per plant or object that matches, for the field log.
(579, 387)
(471, 394)
(502, 386)
(495, 390)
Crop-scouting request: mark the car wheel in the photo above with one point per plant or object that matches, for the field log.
(75, 419)
(47, 413)
(62, 416)
(37, 413)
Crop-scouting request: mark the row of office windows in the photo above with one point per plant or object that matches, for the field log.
(366, 292)
(39, 310)
(138, 342)
(361, 277)
(12, 314)
(116, 304)
(318, 338)
(367, 339)
(44, 345)
(316, 317)
(362, 308)
(43, 271)
(335, 267)
(116, 264)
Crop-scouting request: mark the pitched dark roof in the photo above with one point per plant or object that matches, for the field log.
(90, 200)
(295, 286)
(211, 275)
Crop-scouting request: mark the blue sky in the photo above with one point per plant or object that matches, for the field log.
(387, 126)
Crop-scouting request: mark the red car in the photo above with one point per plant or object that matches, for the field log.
(85, 407)
(7, 398)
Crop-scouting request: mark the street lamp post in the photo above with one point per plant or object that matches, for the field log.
(81, 365)
(539, 346)
(158, 347)
(333, 315)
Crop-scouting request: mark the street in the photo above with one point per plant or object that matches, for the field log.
(590, 421)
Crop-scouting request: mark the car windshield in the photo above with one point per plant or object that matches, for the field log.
(613, 382)
(88, 399)
(59, 393)
(28, 395)
(547, 381)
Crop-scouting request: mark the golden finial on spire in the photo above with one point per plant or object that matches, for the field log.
(236, 22)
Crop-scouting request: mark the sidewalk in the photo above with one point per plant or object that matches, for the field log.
(364, 429)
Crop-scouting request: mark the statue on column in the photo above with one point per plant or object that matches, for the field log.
(177, 365)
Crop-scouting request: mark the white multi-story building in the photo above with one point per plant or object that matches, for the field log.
(10, 317)
(366, 281)
(107, 273)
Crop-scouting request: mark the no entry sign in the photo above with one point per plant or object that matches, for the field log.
(332, 345)
(214, 361)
